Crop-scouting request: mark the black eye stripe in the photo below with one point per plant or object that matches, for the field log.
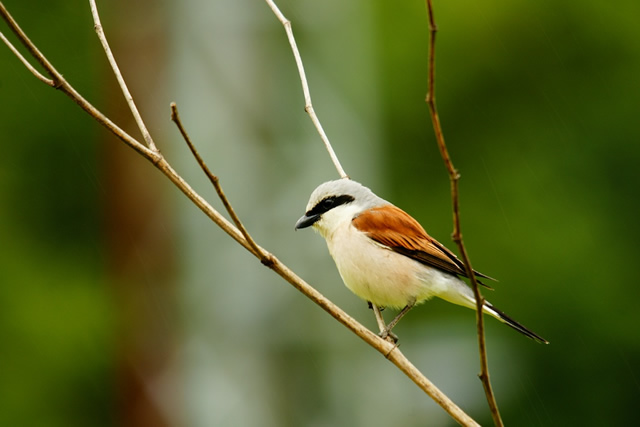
(329, 203)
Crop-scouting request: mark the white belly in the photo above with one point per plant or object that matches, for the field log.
(382, 276)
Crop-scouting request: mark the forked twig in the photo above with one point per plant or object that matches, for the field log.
(26, 63)
(62, 85)
(116, 71)
(454, 176)
(308, 106)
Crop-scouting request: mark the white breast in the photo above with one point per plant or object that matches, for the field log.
(377, 274)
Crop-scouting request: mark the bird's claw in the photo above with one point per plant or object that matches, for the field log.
(388, 336)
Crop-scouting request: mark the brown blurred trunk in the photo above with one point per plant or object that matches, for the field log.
(138, 223)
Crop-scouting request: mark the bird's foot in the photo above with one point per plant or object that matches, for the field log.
(388, 335)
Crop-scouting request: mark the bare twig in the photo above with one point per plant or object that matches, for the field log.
(308, 107)
(31, 47)
(116, 71)
(26, 63)
(255, 249)
(389, 350)
(454, 176)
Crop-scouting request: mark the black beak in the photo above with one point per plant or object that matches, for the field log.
(307, 221)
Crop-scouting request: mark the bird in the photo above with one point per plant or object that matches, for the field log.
(386, 257)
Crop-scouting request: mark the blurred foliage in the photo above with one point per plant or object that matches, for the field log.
(56, 323)
(538, 101)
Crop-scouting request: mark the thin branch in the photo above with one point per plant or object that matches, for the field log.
(116, 71)
(255, 249)
(38, 56)
(389, 350)
(308, 106)
(26, 63)
(454, 177)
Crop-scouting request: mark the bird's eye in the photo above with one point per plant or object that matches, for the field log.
(328, 203)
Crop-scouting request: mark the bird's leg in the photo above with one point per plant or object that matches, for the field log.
(379, 318)
(387, 331)
(384, 333)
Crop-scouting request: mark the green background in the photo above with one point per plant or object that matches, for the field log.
(539, 103)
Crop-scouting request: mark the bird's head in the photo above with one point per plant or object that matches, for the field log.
(334, 202)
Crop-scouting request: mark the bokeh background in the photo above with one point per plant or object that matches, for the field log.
(121, 304)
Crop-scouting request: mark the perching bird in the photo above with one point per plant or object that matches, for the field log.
(385, 257)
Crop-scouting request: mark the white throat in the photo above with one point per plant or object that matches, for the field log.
(335, 218)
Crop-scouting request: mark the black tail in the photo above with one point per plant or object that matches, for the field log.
(515, 325)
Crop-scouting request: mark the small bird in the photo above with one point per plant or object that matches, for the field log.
(385, 257)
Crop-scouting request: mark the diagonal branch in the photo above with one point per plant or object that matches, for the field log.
(454, 177)
(215, 181)
(388, 350)
(308, 106)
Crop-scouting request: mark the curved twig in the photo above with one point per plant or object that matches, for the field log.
(308, 106)
(116, 71)
(454, 177)
(26, 63)
(215, 181)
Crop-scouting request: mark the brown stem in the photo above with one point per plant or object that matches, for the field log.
(454, 177)
(215, 181)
